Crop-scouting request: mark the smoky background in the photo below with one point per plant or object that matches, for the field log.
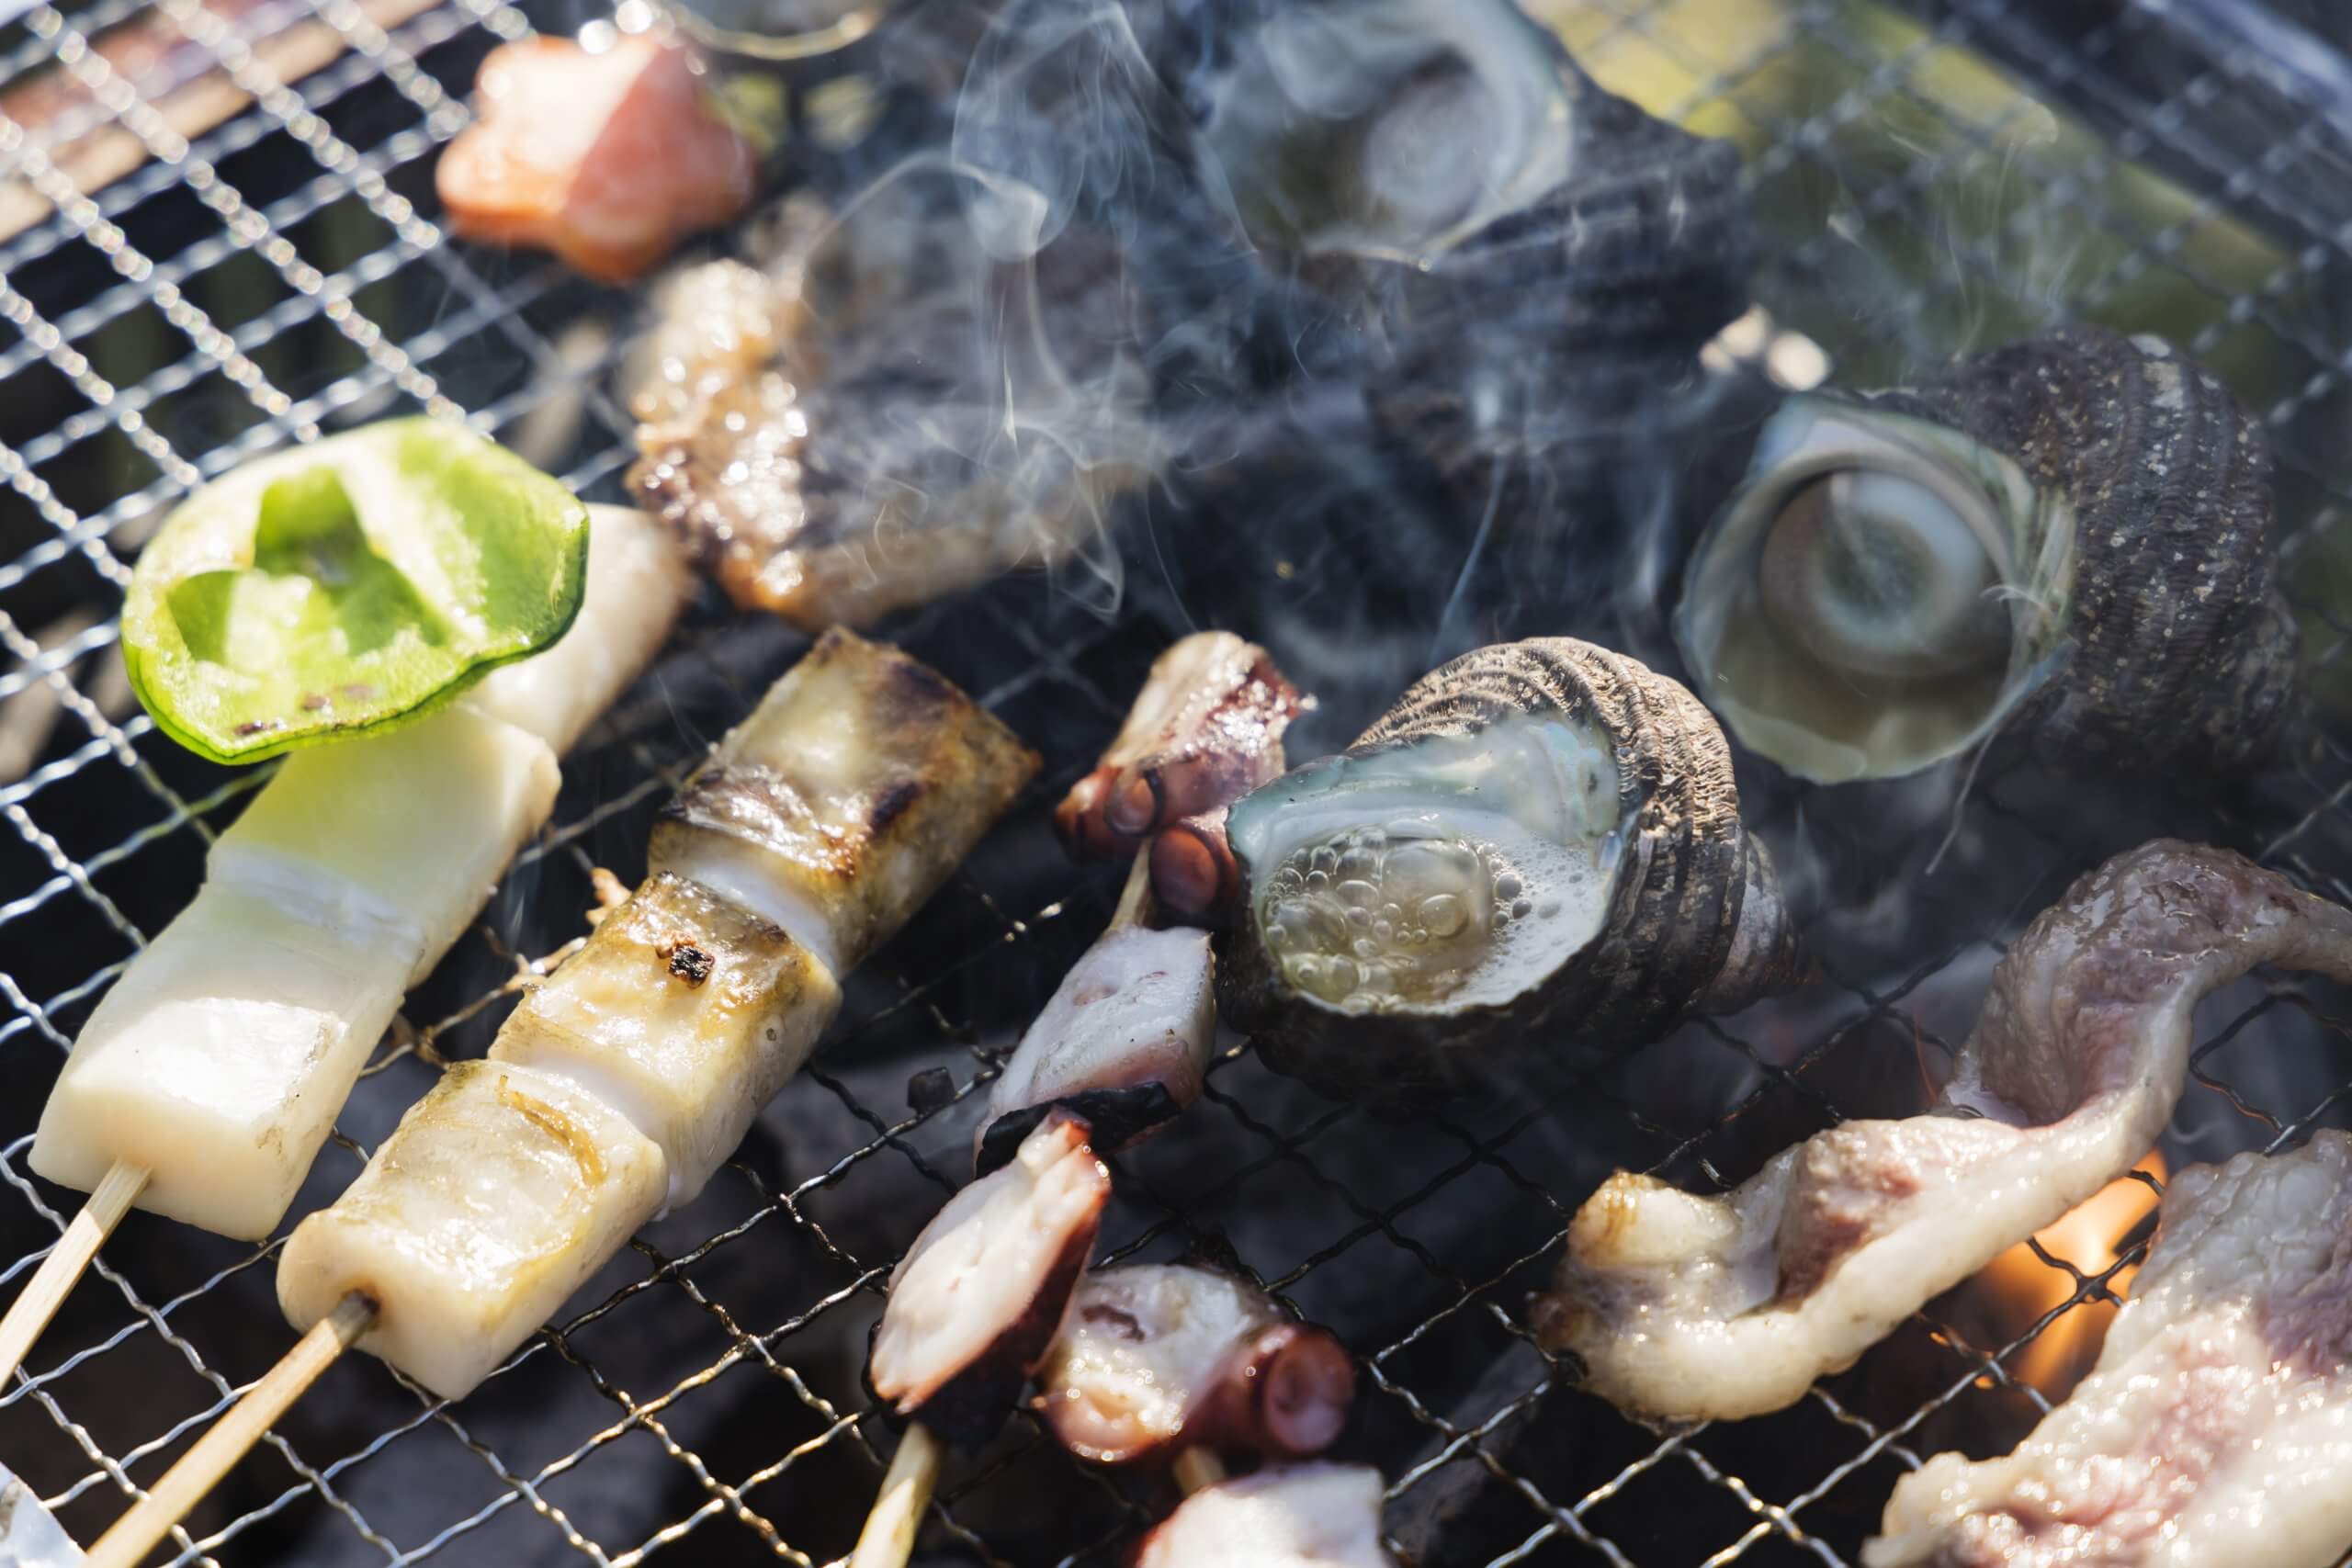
(1921, 182)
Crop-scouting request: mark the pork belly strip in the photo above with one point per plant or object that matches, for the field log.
(1206, 730)
(1688, 1307)
(1158, 1357)
(979, 1297)
(2216, 1430)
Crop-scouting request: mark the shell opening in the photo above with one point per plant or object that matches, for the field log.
(1450, 871)
(1877, 596)
(1387, 127)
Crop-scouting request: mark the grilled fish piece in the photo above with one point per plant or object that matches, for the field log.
(844, 800)
(1690, 1308)
(1206, 730)
(976, 1300)
(1157, 1357)
(220, 1061)
(607, 158)
(2211, 1433)
(498, 1194)
(1300, 1515)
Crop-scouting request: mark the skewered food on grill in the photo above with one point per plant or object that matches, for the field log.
(1540, 836)
(218, 1062)
(348, 586)
(2211, 1431)
(887, 413)
(1123, 1042)
(976, 1300)
(1157, 1358)
(1688, 1307)
(1299, 1516)
(1206, 729)
(815, 827)
(2067, 539)
(607, 157)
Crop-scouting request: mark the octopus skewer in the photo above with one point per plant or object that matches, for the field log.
(814, 830)
(205, 1082)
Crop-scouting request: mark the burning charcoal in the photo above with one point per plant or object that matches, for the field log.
(1684, 1307)
(2067, 539)
(1154, 1358)
(1300, 1515)
(976, 1300)
(1539, 837)
(1206, 729)
(2212, 1430)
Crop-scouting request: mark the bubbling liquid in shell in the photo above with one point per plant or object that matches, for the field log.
(1456, 870)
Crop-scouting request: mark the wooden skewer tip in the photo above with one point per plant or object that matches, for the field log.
(889, 1539)
(59, 1272)
(183, 1486)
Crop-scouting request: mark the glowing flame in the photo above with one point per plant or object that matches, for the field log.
(2019, 1287)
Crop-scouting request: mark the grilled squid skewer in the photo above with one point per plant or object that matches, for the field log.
(838, 808)
(218, 1063)
(1300, 1515)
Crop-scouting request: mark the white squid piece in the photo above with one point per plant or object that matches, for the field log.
(1300, 1515)
(1690, 1308)
(2216, 1430)
(220, 1060)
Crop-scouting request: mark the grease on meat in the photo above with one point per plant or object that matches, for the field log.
(1685, 1308)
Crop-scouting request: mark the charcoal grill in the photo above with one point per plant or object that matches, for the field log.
(1930, 180)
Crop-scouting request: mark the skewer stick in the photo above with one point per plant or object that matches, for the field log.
(201, 1469)
(55, 1278)
(888, 1538)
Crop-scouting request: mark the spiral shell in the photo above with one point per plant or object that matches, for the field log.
(2066, 539)
(1688, 913)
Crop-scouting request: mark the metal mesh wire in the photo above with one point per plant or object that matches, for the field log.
(283, 273)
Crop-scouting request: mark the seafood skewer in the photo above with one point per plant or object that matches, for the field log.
(1299, 1516)
(823, 822)
(1685, 1308)
(204, 1084)
(2211, 1431)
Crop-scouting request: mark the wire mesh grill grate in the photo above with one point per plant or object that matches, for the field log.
(282, 273)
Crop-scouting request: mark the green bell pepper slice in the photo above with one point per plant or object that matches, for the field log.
(348, 587)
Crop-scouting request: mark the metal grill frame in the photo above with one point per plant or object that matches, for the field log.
(1573, 1527)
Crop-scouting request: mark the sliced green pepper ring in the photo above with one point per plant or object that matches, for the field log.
(347, 587)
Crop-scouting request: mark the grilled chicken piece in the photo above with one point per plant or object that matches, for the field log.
(1686, 1307)
(1207, 730)
(220, 1061)
(886, 415)
(976, 1300)
(688, 1006)
(607, 158)
(500, 1193)
(2213, 1432)
(1300, 1515)
(682, 1011)
(842, 802)
(1155, 1357)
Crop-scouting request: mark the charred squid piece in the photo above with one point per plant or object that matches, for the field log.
(1685, 1308)
(1206, 729)
(2212, 1430)
(1541, 836)
(976, 1302)
(1298, 1515)
(2067, 539)
(1124, 1043)
(1157, 1358)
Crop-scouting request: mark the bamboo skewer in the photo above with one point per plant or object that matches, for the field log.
(1196, 1468)
(59, 1272)
(888, 1538)
(201, 1469)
